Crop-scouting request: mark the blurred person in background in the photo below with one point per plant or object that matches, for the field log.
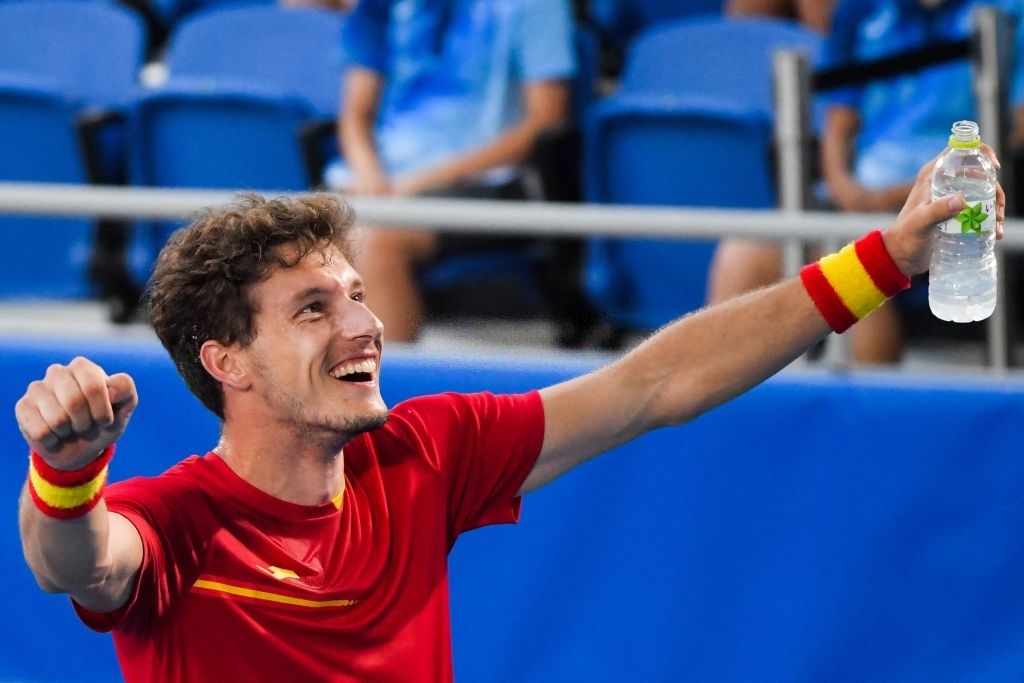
(444, 98)
(875, 137)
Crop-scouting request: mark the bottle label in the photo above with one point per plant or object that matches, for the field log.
(974, 218)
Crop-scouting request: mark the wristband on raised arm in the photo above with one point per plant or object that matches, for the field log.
(854, 281)
(67, 494)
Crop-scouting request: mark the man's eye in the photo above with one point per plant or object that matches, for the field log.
(358, 296)
(315, 307)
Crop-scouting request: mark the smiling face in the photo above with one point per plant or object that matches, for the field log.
(314, 365)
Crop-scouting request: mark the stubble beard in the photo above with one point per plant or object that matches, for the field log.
(330, 431)
(329, 428)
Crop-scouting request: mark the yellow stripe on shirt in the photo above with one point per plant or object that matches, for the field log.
(218, 587)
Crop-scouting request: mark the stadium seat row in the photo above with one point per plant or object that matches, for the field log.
(249, 99)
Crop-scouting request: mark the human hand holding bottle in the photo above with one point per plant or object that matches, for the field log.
(962, 284)
(909, 240)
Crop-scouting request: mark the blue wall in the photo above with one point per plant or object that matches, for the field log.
(821, 527)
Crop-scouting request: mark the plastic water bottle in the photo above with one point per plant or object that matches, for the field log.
(962, 279)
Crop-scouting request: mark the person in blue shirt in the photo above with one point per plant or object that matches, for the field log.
(878, 134)
(443, 97)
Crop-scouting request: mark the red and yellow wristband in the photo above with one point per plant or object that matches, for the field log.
(854, 281)
(67, 494)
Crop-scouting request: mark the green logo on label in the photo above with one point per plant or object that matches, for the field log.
(971, 218)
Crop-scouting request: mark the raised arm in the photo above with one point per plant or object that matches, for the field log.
(709, 357)
(70, 420)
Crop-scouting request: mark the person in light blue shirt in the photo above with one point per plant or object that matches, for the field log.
(443, 97)
(877, 135)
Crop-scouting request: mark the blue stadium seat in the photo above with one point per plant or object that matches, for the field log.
(243, 138)
(213, 68)
(68, 69)
(690, 126)
(291, 50)
(722, 56)
(234, 116)
(91, 50)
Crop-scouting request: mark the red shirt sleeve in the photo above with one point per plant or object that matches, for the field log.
(154, 506)
(485, 445)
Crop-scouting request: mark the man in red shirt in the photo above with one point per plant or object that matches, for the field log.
(311, 543)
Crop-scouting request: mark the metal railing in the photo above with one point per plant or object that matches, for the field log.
(990, 52)
(791, 228)
(465, 215)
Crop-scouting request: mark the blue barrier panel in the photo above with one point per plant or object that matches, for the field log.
(821, 527)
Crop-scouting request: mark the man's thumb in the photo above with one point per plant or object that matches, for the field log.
(946, 207)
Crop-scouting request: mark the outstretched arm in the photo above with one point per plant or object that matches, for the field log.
(72, 544)
(709, 357)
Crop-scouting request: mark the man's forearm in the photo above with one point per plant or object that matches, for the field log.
(65, 555)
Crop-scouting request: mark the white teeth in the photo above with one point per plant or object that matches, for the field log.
(354, 367)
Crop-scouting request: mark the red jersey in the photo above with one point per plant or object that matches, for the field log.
(238, 585)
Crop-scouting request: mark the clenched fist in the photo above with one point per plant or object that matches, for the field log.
(74, 412)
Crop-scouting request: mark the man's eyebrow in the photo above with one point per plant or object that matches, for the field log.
(307, 293)
(319, 290)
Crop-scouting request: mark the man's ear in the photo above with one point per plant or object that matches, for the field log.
(224, 364)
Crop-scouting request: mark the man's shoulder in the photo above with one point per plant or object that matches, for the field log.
(454, 401)
(454, 412)
(427, 409)
(445, 428)
(187, 475)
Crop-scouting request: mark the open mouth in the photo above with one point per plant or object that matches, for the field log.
(357, 377)
(355, 371)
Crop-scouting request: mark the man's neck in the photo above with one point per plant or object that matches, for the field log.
(289, 469)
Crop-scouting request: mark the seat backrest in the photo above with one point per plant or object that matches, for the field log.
(90, 49)
(194, 138)
(729, 58)
(57, 58)
(38, 142)
(691, 125)
(43, 256)
(668, 152)
(293, 50)
(679, 152)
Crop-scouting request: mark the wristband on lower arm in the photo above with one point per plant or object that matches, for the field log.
(67, 494)
(854, 281)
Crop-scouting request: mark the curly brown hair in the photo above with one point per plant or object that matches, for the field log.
(200, 286)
